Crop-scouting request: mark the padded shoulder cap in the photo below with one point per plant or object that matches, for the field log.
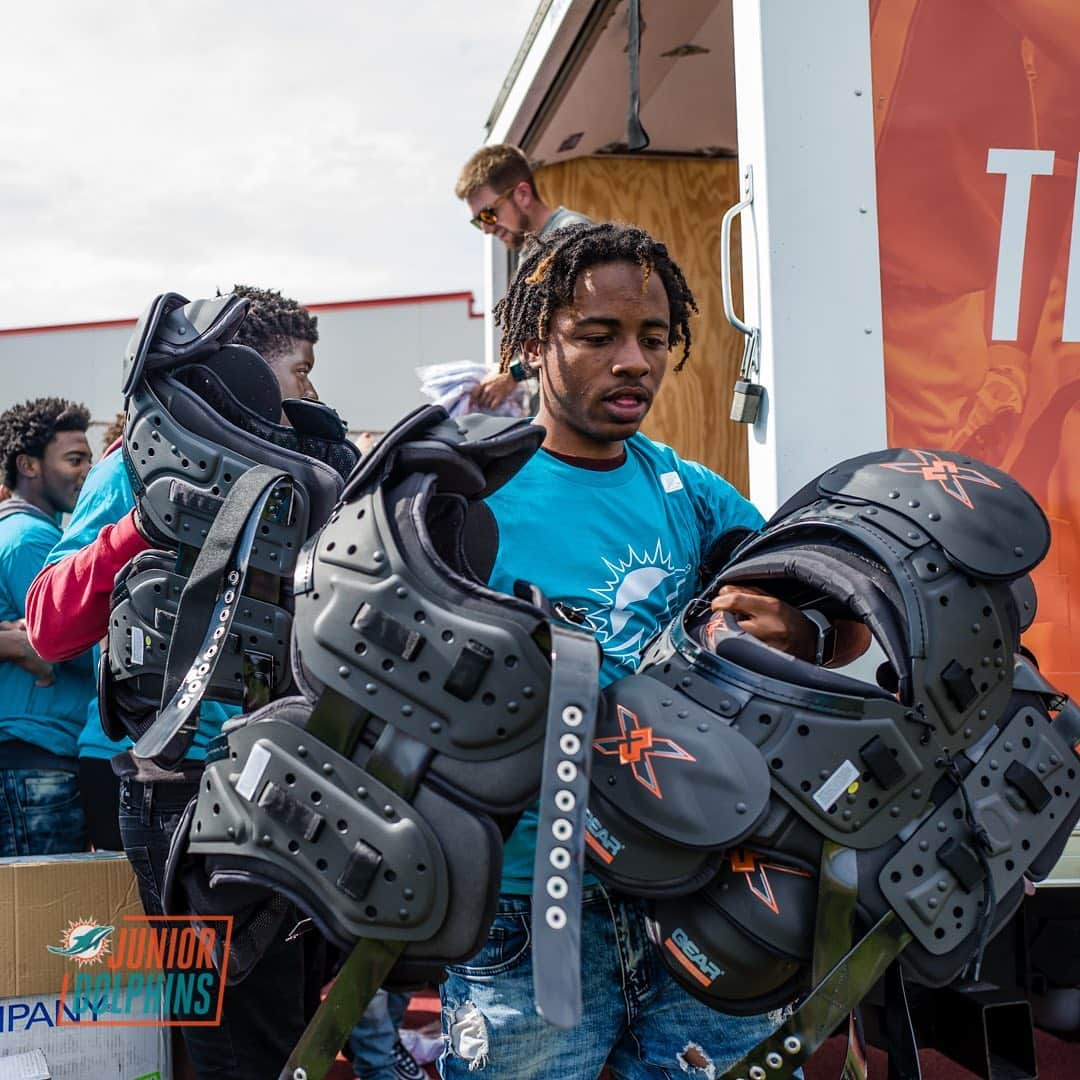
(473, 456)
(139, 343)
(175, 330)
(198, 327)
(983, 519)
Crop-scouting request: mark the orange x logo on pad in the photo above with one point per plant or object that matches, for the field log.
(948, 474)
(637, 746)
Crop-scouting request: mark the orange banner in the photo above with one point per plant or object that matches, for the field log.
(977, 121)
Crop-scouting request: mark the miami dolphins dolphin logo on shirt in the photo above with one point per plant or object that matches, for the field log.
(639, 596)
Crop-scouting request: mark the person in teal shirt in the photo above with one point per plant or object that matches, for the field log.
(641, 525)
(45, 457)
(616, 527)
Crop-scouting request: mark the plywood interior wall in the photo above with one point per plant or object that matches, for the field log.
(681, 202)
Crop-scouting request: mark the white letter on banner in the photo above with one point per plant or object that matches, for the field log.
(1070, 330)
(1019, 166)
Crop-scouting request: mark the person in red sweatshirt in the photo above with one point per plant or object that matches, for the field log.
(67, 613)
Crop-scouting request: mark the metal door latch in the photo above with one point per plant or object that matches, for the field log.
(746, 399)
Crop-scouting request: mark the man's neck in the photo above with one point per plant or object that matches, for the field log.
(594, 464)
(569, 443)
(539, 217)
(35, 498)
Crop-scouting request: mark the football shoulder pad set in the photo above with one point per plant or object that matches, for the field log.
(796, 828)
(432, 712)
(230, 494)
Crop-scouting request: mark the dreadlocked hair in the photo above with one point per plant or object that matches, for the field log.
(551, 265)
(30, 427)
(273, 321)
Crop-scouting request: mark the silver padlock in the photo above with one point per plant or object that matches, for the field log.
(746, 401)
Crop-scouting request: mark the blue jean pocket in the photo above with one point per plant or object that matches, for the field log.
(48, 789)
(45, 812)
(507, 946)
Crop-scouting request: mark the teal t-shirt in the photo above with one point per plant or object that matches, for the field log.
(50, 717)
(105, 498)
(622, 545)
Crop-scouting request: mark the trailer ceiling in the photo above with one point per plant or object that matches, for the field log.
(576, 99)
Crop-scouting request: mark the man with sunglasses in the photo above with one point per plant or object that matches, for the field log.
(498, 186)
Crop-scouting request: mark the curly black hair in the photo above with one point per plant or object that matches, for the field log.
(273, 321)
(551, 265)
(30, 427)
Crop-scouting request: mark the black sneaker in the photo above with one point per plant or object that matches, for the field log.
(405, 1066)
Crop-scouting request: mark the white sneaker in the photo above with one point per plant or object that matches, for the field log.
(405, 1066)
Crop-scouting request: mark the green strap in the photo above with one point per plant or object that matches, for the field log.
(800, 1036)
(855, 1063)
(339, 722)
(363, 972)
(834, 924)
(838, 887)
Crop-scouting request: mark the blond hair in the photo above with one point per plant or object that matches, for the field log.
(500, 167)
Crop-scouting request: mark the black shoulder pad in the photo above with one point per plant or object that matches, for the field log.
(139, 343)
(985, 521)
(675, 767)
(375, 465)
(500, 445)
(471, 456)
(199, 326)
(1027, 602)
(176, 330)
(314, 418)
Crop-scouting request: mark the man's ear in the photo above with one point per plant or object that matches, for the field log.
(523, 195)
(27, 465)
(532, 351)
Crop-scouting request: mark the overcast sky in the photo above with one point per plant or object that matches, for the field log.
(155, 145)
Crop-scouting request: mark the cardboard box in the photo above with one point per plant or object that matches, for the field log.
(40, 898)
(82, 1049)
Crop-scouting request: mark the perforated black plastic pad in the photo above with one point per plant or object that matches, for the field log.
(371, 865)
(931, 900)
(180, 479)
(142, 619)
(382, 621)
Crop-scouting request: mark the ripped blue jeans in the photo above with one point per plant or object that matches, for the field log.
(638, 1020)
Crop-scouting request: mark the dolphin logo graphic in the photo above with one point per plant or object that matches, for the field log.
(637, 585)
(85, 942)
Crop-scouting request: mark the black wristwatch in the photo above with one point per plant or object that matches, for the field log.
(826, 638)
(518, 371)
